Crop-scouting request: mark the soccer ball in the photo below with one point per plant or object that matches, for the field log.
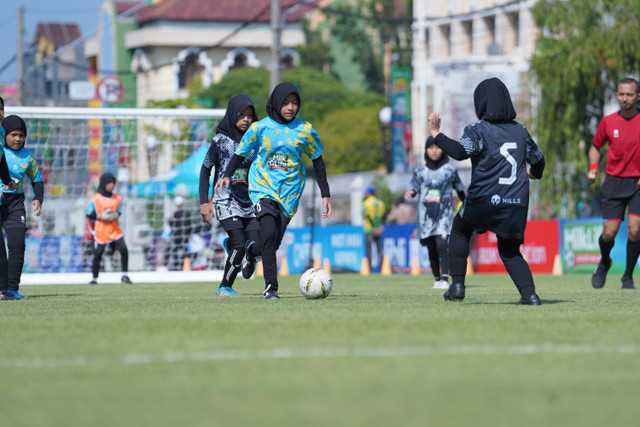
(315, 283)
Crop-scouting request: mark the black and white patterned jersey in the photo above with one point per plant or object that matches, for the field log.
(433, 189)
(498, 195)
(232, 201)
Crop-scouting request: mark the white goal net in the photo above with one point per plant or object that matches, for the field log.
(156, 155)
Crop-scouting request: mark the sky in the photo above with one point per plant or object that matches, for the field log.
(83, 12)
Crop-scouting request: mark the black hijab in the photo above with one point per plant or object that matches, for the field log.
(493, 102)
(236, 106)
(105, 178)
(274, 104)
(12, 123)
(434, 164)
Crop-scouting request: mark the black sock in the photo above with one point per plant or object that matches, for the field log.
(605, 248)
(633, 250)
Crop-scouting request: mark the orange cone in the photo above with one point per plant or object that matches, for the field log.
(186, 264)
(385, 268)
(415, 267)
(365, 270)
(557, 266)
(259, 269)
(316, 262)
(326, 266)
(284, 267)
(469, 266)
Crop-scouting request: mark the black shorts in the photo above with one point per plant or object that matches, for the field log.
(271, 207)
(236, 222)
(617, 194)
(13, 211)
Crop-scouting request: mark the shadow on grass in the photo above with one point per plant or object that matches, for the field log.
(544, 302)
(28, 297)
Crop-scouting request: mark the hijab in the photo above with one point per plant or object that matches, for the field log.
(434, 164)
(105, 178)
(493, 102)
(12, 123)
(227, 125)
(274, 104)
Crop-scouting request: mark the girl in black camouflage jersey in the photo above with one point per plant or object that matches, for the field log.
(232, 205)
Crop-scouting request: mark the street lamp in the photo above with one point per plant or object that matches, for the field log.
(384, 119)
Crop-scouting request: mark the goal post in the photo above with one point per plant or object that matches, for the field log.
(155, 155)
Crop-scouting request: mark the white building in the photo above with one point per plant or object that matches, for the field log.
(457, 44)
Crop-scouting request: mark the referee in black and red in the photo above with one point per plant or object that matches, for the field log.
(621, 187)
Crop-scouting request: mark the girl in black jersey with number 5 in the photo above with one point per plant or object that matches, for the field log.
(498, 196)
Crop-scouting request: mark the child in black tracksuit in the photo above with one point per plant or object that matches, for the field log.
(498, 196)
(22, 165)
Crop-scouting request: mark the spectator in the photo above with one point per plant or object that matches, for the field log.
(373, 210)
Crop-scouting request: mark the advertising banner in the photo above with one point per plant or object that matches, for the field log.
(580, 249)
(541, 242)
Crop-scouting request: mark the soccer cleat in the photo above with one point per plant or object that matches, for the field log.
(440, 284)
(226, 291)
(249, 263)
(270, 293)
(600, 274)
(125, 279)
(93, 282)
(533, 300)
(16, 294)
(454, 293)
(225, 245)
(7, 296)
(627, 282)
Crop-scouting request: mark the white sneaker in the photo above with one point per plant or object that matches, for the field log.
(441, 284)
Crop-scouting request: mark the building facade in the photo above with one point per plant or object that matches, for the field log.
(459, 43)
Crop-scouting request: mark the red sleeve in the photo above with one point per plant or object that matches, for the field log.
(600, 138)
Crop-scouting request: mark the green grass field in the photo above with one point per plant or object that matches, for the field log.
(379, 351)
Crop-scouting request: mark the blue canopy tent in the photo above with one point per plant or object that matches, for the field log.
(182, 180)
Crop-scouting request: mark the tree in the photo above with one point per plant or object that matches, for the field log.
(352, 140)
(585, 47)
(354, 23)
(346, 121)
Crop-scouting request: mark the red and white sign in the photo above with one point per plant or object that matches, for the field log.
(541, 245)
(110, 90)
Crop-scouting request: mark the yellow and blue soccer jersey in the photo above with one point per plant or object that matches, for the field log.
(2, 141)
(278, 172)
(21, 164)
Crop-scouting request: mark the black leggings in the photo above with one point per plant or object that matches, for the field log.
(16, 244)
(509, 250)
(237, 239)
(272, 230)
(438, 248)
(117, 245)
(4, 280)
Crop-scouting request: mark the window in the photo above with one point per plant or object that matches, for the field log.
(188, 68)
(512, 32)
(445, 34)
(466, 45)
(490, 35)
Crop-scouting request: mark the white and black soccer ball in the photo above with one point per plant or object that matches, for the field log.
(315, 283)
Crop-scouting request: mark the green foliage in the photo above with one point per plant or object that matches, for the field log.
(352, 140)
(585, 47)
(346, 122)
(315, 52)
(253, 82)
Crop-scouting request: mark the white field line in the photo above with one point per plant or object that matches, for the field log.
(310, 353)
